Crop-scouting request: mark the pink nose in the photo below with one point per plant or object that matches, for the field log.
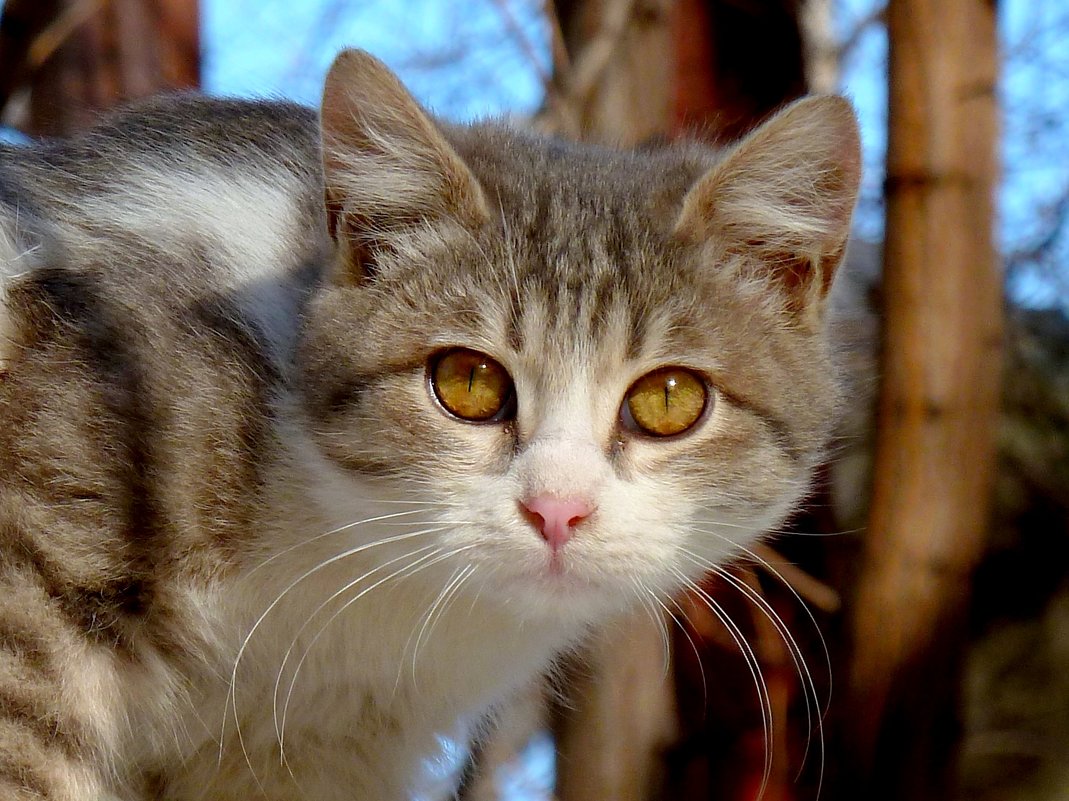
(556, 518)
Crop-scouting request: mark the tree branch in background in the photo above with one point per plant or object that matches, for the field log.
(612, 79)
(811, 590)
(21, 23)
(562, 62)
(79, 57)
(58, 31)
(1055, 216)
(504, 10)
(590, 63)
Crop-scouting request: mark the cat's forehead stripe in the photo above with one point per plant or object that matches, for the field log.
(580, 267)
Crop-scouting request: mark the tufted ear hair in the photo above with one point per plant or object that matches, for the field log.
(784, 197)
(386, 165)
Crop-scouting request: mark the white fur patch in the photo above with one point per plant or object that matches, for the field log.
(252, 221)
(249, 226)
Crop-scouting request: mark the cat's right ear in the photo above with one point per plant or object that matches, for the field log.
(386, 165)
(782, 200)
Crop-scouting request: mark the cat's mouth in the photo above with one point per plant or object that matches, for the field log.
(557, 573)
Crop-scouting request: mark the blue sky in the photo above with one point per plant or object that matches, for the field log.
(463, 60)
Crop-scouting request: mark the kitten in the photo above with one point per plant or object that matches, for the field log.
(317, 442)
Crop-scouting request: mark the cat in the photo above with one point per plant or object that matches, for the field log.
(320, 436)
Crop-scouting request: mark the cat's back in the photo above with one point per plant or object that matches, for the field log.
(152, 272)
(180, 214)
(234, 183)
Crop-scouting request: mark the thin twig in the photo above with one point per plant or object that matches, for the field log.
(591, 63)
(562, 62)
(504, 9)
(814, 591)
(576, 79)
(59, 31)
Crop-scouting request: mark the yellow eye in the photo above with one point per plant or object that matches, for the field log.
(665, 402)
(471, 385)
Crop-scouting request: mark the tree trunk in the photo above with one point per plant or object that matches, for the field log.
(736, 63)
(622, 718)
(939, 397)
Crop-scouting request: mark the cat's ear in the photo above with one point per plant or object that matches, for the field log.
(784, 197)
(386, 165)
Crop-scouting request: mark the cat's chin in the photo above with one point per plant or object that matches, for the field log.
(557, 580)
(556, 590)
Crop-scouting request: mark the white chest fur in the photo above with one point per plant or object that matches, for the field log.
(360, 648)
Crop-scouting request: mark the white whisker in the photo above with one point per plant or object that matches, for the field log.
(644, 594)
(805, 675)
(418, 566)
(317, 610)
(441, 603)
(231, 697)
(754, 665)
(768, 566)
(693, 645)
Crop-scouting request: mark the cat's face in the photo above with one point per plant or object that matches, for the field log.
(594, 395)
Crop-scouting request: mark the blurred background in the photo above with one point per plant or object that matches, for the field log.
(906, 636)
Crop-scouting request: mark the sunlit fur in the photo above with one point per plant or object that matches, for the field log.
(247, 553)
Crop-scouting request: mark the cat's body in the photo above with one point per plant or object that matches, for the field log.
(225, 454)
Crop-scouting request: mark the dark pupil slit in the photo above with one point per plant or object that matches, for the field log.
(667, 388)
(471, 379)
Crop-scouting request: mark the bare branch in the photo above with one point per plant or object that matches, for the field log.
(59, 31)
(812, 590)
(595, 57)
(514, 28)
(562, 62)
(1042, 249)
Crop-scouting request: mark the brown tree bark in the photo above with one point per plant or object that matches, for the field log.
(938, 400)
(76, 58)
(611, 742)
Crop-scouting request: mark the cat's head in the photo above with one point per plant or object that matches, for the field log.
(602, 369)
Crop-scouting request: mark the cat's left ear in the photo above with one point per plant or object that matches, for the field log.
(386, 165)
(784, 197)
